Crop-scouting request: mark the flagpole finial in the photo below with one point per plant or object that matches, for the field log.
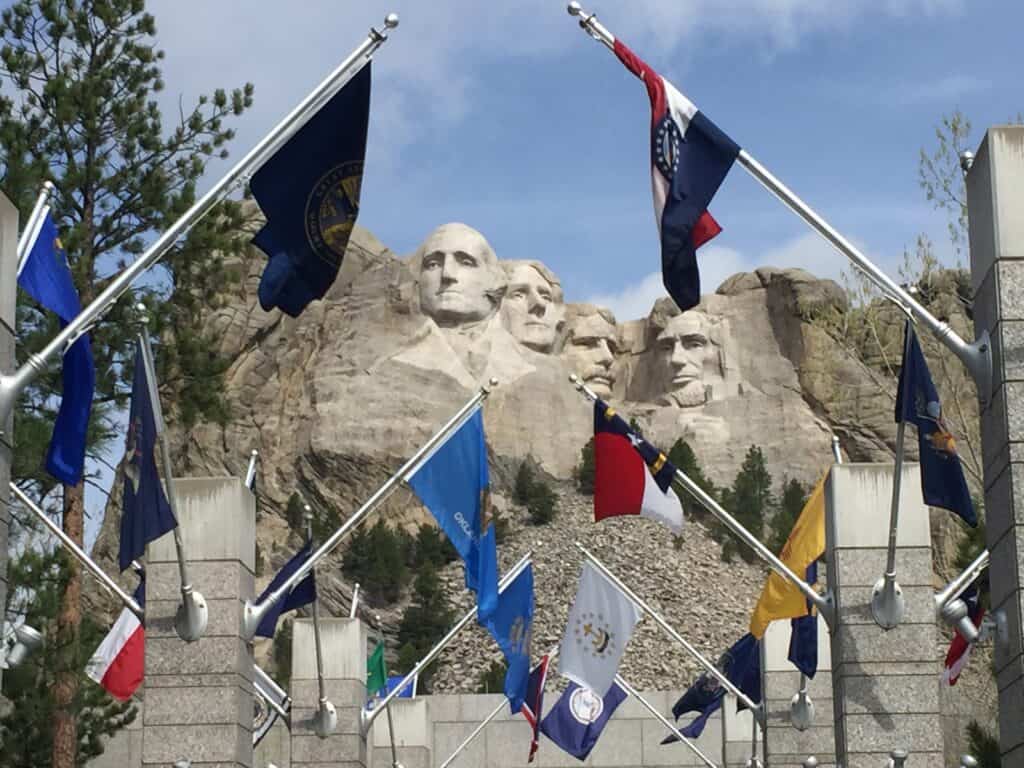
(574, 8)
(391, 20)
(491, 384)
(307, 513)
(143, 313)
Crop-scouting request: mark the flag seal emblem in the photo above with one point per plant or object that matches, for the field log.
(586, 706)
(591, 632)
(667, 140)
(331, 211)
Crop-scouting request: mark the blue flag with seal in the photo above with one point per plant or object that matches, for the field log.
(309, 192)
(511, 626)
(145, 514)
(578, 717)
(453, 483)
(917, 401)
(301, 594)
(803, 636)
(46, 277)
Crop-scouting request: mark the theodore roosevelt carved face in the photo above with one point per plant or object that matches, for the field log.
(590, 347)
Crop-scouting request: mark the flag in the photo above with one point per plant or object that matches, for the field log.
(741, 665)
(301, 594)
(533, 704)
(803, 634)
(118, 663)
(917, 401)
(510, 625)
(631, 476)
(453, 484)
(409, 692)
(600, 624)
(309, 192)
(781, 599)
(578, 717)
(145, 515)
(959, 649)
(46, 277)
(690, 157)
(376, 671)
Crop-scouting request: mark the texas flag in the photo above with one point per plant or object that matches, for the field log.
(631, 476)
(959, 649)
(119, 662)
(690, 157)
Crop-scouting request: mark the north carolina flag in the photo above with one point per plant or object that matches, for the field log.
(119, 661)
(959, 649)
(631, 476)
(690, 157)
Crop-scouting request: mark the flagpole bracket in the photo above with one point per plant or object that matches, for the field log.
(826, 605)
(956, 615)
(978, 359)
(801, 710)
(252, 615)
(192, 616)
(887, 603)
(325, 721)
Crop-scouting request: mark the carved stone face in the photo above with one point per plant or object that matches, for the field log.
(590, 348)
(682, 350)
(532, 309)
(459, 277)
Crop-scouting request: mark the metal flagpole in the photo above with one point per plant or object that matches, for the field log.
(78, 553)
(725, 738)
(823, 603)
(642, 605)
(952, 610)
(279, 702)
(253, 614)
(12, 385)
(355, 601)
(387, 704)
(508, 578)
(192, 615)
(977, 357)
(250, 472)
(754, 761)
(887, 605)
(325, 721)
(34, 224)
(630, 690)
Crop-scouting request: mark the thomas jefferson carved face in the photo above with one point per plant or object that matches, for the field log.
(590, 348)
(459, 278)
(682, 350)
(532, 310)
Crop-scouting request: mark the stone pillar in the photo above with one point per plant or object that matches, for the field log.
(199, 696)
(786, 745)
(995, 199)
(344, 653)
(413, 734)
(8, 298)
(885, 685)
(739, 734)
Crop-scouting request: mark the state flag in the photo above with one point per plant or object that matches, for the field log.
(511, 626)
(959, 649)
(579, 716)
(533, 703)
(631, 476)
(690, 158)
(803, 634)
(376, 671)
(118, 664)
(599, 627)
(301, 594)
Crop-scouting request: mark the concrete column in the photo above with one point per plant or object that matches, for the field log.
(786, 745)
(413, 734)
(885, 684)
(199, 696)
(8, 298)
(995, 199)
(739, 728)
(344, 654)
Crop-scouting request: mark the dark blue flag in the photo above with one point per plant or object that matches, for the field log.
(309, 192)
(46, 277)
(578, 717)
(803, 636)
(301, 594)
(741, 665)
(452, 483)
(145, 515)
(917, 401)
(533, 705)
(511, 625)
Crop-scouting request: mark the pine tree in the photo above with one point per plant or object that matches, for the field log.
(983, 746)
(794, 496)
(423, 623)
(684, 459)
(749, 500)
(524, 483)
(585, 470)
(78, 109)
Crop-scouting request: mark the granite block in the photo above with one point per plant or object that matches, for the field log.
(309, 748)
(195, 706)
(863, 567)
(860, 643)
(449, 735)
(208, 655)
(224, 744)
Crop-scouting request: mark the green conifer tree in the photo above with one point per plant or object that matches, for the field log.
(749, 500)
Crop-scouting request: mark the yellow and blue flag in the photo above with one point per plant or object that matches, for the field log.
(917, 401)
(309, 192)
(803, 634)
(46, 277)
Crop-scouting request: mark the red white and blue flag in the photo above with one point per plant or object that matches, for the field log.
(690, 157)
(119, 662)
(959, 649)
(533, 704)
(631, 476)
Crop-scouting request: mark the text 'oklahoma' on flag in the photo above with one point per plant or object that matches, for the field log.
(46, 277)
(631, 477)
(309, 192)
(690, 157)
(118, 663)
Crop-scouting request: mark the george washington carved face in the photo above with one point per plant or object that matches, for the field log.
(460, 281)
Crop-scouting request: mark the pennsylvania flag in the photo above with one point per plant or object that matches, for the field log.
(309, 192)
(46, 277)
(806, 543)
(917, 401)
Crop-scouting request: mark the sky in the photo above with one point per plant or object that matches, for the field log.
(507, 117)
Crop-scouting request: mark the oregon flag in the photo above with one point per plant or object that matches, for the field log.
(806, 543)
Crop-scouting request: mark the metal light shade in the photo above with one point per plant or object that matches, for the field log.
(26, 640)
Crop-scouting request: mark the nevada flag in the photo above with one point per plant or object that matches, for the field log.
(690, 157)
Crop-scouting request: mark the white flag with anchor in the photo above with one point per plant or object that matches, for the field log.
(600, 624)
